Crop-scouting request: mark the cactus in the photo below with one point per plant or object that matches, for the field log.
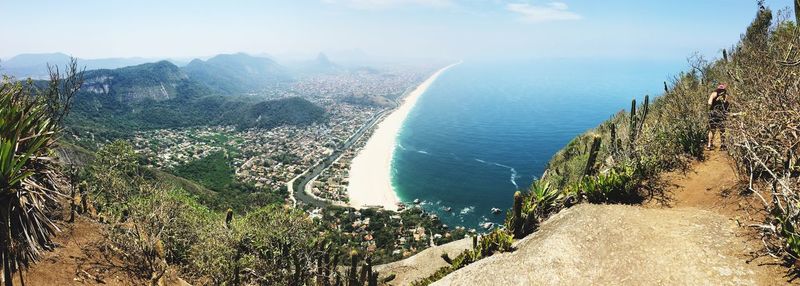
(363, 275)
(367, 270)
(474, 241)
(636, 122)
(632, 125)
(613, 146)
(725, 55)
(666, 89)
(643, 114)
(373, 279)
(516, 219)
(228, 218)
(447, 258)
(353, 272)
(332, 268)
(389, 278)
(589, 169)
(797, 12)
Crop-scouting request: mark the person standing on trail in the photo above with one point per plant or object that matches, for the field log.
(718, 113)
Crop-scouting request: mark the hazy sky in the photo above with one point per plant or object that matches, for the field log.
(446, 29)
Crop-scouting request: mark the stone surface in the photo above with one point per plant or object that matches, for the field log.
(618, 244)
(422, 264)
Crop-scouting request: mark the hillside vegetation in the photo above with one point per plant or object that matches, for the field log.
(621, 160)
(114, 103)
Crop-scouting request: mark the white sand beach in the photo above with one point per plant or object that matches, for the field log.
(371, 170)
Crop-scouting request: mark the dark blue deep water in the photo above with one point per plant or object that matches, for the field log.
(483, 130)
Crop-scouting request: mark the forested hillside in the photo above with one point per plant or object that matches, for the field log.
(113, 103)
(237, 73)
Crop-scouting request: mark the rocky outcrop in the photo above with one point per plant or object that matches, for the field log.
(618, 244)
(422, 264)
(155, 81)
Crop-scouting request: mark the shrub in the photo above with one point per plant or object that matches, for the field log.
(30, 121)
(615, 186)
(763, 134)
(498, 240)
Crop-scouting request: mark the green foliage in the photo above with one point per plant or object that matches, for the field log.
(212, 171)
(27, 135)
(109, 118)
(496, 241)
(29, 176)
(533, 207)
(117, 102)
(788, 231)
(615, 186)
(237, 73)
(159, 217)
(757, 33)
(115, 177)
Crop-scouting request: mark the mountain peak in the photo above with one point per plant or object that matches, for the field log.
(323, 59)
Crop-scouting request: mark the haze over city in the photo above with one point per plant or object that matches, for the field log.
(382, 29)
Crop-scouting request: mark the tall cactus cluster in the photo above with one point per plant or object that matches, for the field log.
(359, 272)
(797, 11)
(322, 266)
(635, 124)
(498, 240)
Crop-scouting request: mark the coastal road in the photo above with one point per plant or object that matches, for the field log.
(298, 185)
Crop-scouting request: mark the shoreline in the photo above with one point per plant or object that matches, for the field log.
(371, 170)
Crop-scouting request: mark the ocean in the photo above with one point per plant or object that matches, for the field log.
(484, 130)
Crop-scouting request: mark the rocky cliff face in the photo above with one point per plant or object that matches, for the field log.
(155, 81)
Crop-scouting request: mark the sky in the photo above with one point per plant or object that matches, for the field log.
(398, 29)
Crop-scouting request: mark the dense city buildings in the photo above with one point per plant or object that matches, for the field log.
(270, 158)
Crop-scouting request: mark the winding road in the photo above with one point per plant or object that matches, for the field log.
(297, 185)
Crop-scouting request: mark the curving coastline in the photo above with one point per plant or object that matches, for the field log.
(371, 170)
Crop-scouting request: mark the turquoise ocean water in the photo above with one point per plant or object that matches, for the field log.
(483, 130)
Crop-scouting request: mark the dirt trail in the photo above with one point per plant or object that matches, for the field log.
(710, 184)
(79, 259)
(697, 238)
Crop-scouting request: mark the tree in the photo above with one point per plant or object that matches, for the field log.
(755, 38)
(30, 121)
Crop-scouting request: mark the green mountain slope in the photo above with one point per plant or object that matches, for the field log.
(114, 103)
(237, 73)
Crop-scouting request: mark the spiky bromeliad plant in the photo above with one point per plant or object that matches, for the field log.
(29, 176)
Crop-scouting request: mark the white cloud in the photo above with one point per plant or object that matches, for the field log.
(553, 11)
(384, 4)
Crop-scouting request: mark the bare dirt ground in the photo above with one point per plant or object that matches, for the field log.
(79, 259)
(698, 237)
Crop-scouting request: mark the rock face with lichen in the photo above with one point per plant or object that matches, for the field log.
(618, 244)
(153, 81)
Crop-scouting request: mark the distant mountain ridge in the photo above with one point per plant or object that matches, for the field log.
(115, 102)
(35, 65)
(320, 65)
(237, 73)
